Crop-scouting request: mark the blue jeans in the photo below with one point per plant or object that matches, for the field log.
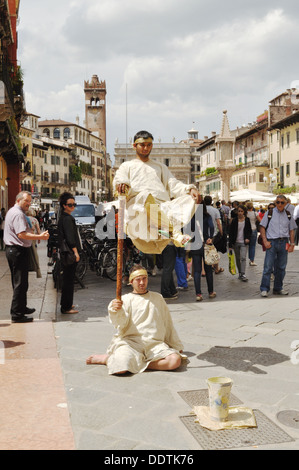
(276, 258)
(252, 244)
(197, 265)
(181, 271)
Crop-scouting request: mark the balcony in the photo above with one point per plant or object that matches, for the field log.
(6, 90)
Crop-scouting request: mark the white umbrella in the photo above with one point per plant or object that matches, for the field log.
(250, 195)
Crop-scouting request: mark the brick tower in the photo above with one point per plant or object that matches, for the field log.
(95, 107)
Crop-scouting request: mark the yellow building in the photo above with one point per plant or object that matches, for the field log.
(284, 150)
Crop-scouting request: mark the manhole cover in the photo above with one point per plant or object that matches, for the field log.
(289, 418)
(266, 433)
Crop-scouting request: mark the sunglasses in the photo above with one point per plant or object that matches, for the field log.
(72, 205)
(280, 202)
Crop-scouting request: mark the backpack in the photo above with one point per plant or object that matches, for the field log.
(260, 240)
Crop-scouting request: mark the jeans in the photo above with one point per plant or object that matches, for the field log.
(197, 265)
(167, 283)
(252, 244)
(240, 250)
(181, 271)
(276, 257)
(67, 290)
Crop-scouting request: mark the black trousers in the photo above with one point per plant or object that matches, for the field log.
(17, 257)
(167, 282)
(67, 289)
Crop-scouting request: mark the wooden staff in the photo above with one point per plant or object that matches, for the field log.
(120, 243)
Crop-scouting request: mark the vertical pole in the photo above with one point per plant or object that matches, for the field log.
(120, 244)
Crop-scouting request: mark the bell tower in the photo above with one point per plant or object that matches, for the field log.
(95, 107)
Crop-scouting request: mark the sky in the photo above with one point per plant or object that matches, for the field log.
(169, 65)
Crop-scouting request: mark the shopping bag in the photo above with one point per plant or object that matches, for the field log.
(231, 262)
(211, 255)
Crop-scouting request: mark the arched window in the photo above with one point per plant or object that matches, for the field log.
(46, 132)
(66, 133)
(56, 133)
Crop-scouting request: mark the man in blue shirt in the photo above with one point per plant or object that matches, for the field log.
(276, 229)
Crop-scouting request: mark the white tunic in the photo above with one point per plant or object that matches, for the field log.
(156, 200)
(145, 333)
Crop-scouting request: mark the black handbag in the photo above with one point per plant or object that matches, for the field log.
(220, 242)
(67, 256)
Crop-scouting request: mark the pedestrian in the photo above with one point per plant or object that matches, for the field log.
(296, 218)
(215, 214)
(254, 221)
(18, 238)
(239, 238)
(146, 337)
(2, 223)
(277, 229)
(34, 225)
(46, 218)
(68, 234)
(157, 204)
(202, 227)
(234, 211)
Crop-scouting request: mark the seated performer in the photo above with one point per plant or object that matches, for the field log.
(146, 337)
(157, 204)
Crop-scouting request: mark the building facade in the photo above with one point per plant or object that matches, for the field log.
(12, 104)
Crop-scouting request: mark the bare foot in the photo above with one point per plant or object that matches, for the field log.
(100, 359)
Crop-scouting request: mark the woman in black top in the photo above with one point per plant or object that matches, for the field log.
(68, 231)
(239, 238)
(203, 228)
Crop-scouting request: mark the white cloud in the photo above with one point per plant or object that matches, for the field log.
(64, 104)
(181, 61)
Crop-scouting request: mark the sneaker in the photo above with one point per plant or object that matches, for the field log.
(264, 293)
(212, 295)
(189, 278)
(199, 298)
(182, 288)
(243, 278)
(252, 263)
(280, 292)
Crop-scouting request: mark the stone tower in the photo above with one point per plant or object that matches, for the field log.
(95, 107)
(225, 144)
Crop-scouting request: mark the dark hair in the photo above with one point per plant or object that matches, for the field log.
(64, 197)
(207, 200)
(143, 135)
(204, 207)
(243, 207)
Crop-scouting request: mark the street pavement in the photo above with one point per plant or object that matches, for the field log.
(62, 403)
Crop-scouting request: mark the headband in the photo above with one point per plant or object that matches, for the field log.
(141, 140)
(139, 272)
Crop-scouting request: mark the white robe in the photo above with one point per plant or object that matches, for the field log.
(153, 193)
(145, 333)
